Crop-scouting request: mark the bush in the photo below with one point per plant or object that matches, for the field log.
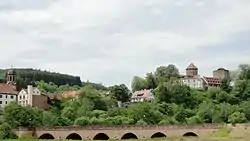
(168, 121)
(237, 117)
(141, 122)
(194, 120)
(119, 120)
(6, 132)
(97, 121)
(82, 121)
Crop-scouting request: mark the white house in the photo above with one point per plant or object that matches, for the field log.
(25, 96)
(7, 94)
(141, 96)
(196, 82)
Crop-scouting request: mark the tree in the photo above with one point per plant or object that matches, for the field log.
(6, 132)
(237, 117)
(120, 93)
(144, 111)
(246, 109)
(225, 85)
(174, 93)
(138, 84)
(150, 81)
(165, 73)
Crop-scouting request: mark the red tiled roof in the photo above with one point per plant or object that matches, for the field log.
(8, 89)
(212, 80)
(141, 94)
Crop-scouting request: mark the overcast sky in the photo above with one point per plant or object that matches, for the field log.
(110, 41)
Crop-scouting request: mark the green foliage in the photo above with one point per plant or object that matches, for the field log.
(174, 103)
(144, 111)
(120, 93)
(6, 132)
(168, 121)
(237, 117)
(141, 122)
(165, 73)
(82, 121)
(150, 81)
(29, 76)
(138, 84)
(194, 120)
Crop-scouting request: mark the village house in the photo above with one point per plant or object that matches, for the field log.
(8, 91)
(141, 96)
(194, 80)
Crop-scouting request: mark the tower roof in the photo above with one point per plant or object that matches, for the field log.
(192, 66)
(11, 72)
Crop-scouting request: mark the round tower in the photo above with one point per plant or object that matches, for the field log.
(191, 70)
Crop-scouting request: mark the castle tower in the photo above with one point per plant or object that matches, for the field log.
(11, 77)
(191, 70)
(221, 73)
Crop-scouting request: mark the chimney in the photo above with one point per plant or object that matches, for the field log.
(30, 95)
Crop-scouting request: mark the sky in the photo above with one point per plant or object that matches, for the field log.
(110, 41)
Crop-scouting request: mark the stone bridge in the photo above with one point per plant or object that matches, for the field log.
(121, 132)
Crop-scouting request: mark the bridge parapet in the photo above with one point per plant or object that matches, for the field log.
(125, 127)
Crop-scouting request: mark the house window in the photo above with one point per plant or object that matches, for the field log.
(24, 97)
(12, 97)
(1, 96)
(6, 96)
(20, 97)
(6, 102)
(1, 102)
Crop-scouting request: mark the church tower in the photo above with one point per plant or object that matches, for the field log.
(191, 70)
(11, 77)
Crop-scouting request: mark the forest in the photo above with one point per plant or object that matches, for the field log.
(174, 103)
(30, 76)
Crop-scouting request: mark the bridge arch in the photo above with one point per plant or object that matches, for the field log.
(74, 136)
(101, 136)
(190, 134)
(158, 135)
(46, 136)
(129, 136)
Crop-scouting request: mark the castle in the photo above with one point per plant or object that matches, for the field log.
(194, 80)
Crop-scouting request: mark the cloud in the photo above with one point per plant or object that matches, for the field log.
(111, 41)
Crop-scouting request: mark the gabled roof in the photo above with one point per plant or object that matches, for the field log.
(211, 80)
(141, 94)
(7, 89)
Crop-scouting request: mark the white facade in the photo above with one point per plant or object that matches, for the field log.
(194, 82)
(25, 97)
(6, 98)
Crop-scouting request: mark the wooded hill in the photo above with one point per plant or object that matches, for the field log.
(30, 76)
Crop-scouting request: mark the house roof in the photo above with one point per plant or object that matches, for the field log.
(8, 89)
(141, 94)
(53, 96)
(192, 66)
(70, 94)
(212, 80)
